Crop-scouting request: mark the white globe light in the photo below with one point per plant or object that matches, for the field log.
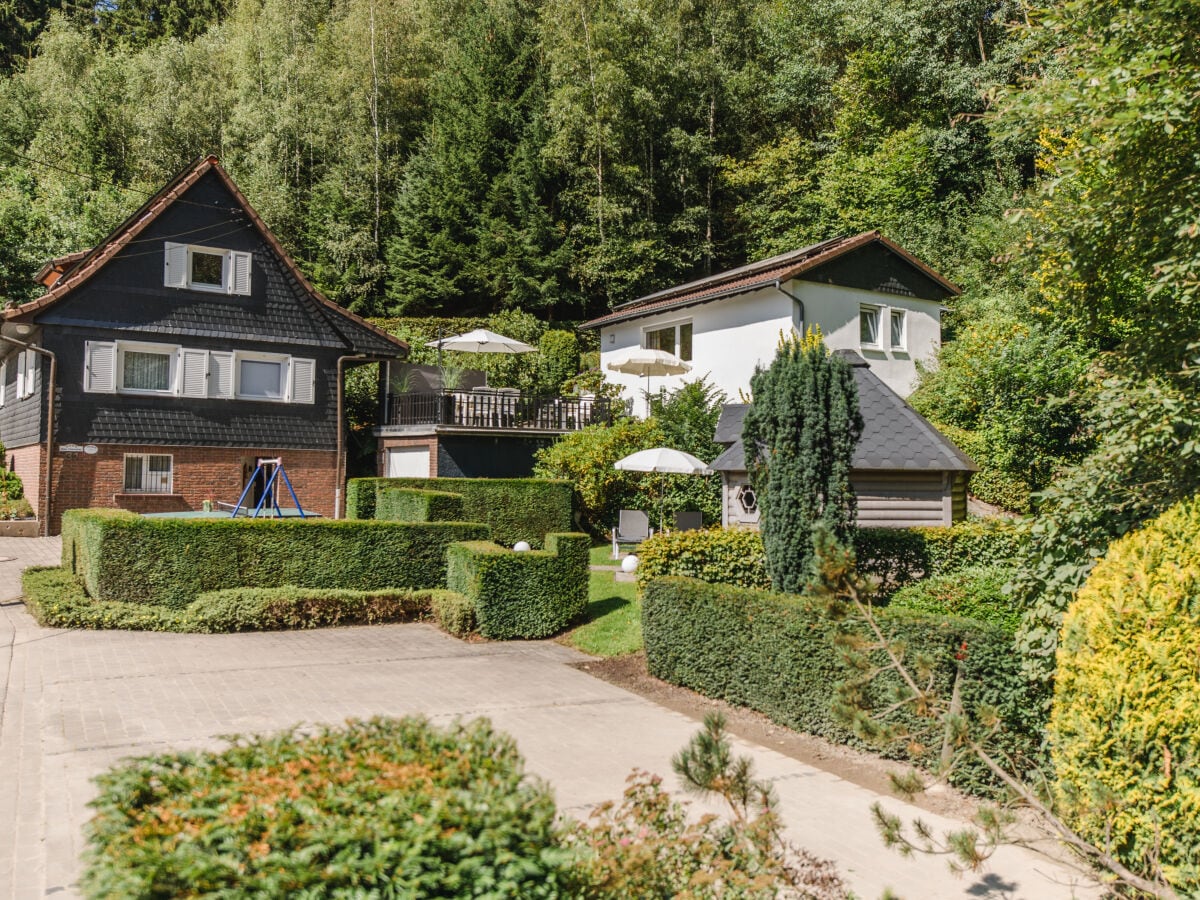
(629, 564)
(522, 546)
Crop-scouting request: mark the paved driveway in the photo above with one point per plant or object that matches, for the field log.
(76, 701)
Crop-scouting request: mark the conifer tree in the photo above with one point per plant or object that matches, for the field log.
(800, 435)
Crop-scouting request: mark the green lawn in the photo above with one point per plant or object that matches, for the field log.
(613, 625)
(601, 555)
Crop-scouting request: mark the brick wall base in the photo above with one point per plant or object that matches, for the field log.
(198, 474)
(27, 463)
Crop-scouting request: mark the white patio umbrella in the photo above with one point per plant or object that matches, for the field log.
(646, 362)
(481, 341)
(666, 461)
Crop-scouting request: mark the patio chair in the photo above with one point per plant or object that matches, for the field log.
(689, 520)
(633, 527)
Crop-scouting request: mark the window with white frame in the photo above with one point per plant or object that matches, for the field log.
(147, 473)
(898, 328)
(207, 269)
(112, 367)
(868, 326)
(675, 339)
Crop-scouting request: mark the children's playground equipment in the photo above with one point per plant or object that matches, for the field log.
(268, 497)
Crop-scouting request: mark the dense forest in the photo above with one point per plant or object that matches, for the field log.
(468, 156)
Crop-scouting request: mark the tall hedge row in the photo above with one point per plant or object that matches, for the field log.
(127, 557)
(897, 556)
(534, 594)
(777, 653)
(516, 509)
(395, 504)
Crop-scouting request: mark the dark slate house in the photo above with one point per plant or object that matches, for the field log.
(180, 351)
(904, 472)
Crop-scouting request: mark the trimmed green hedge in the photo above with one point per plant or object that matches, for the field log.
(897, 556)
(58, 600)
(534, 594)
(516, 509)
(776, 653)
(394, 504)
(382, 808)
(126, 557)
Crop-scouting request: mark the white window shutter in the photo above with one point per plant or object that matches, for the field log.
(3, 382)
(304, 373)
(31, 369)
(195, 372)
(240, 266)
(175, 264)
(21, 375)
(100, 367)
(220, 381)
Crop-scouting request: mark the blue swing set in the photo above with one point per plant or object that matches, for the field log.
(268, 491)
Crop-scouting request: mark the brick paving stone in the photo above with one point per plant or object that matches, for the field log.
(75, 702)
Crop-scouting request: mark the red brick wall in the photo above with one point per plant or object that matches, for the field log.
(385, 443)
(27, 462)
(199, 474)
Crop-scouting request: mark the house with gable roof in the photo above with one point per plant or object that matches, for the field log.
(162, 365)
(865, 293)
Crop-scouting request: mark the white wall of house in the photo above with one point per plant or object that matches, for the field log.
(731, 336)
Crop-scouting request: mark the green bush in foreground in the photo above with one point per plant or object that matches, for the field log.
(718, 556)
(974, 593)
(57, 600)
(519, 596)
(1125, 725)
(385, 808)
(781, 654)
(415, 505)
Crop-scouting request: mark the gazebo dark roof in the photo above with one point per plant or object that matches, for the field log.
(895, 436)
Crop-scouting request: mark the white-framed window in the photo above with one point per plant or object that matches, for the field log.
(868, 326)
(147, 368)
(675, 339)
(897, 329)
(128, 367)
(27, 368)
(148, 473)
(200, 268)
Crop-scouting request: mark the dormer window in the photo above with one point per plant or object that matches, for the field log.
(206, 269)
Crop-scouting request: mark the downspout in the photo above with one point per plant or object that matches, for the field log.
(803, 315)
(46, 487)
(341, 425)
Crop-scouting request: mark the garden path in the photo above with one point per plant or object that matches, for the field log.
(74, 702)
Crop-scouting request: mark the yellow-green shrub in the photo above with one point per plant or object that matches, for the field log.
(1125, 727)
(715, 555)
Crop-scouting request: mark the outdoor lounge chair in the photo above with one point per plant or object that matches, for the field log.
(633, 527)
(689, 520)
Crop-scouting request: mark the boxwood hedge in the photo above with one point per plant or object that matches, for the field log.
(126, 557)
(395, 504)
(516, 509)
(522, 595)
(57, 599)
(382, 808)
(777, 654)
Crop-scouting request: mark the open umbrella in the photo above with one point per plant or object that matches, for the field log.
(646, 362)
(481, 341)
(663, 460)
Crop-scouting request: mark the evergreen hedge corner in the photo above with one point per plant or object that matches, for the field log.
(393, 504)
(530, 595)
(778, 654)
(122, 556)
(516, 509)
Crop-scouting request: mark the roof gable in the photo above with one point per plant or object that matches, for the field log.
(200, 206)
(831, 262)
(895, 436)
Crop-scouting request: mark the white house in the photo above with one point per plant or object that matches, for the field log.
(865, 293)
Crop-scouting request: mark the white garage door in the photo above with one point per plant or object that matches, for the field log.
(408, 462)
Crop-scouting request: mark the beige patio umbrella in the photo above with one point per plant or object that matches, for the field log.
(666, 461)
(481, 341)
(646, 362)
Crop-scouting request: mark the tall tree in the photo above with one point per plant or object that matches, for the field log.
(800, 433)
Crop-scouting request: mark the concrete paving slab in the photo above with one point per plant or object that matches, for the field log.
(75, 702)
